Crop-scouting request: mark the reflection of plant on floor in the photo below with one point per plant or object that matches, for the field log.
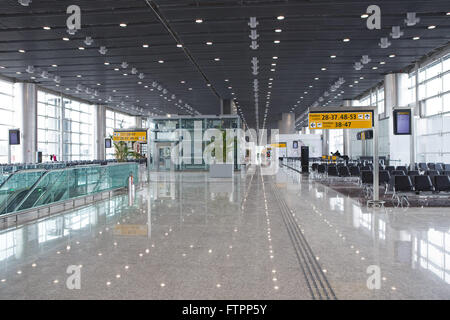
(227, 147)
(122, 152)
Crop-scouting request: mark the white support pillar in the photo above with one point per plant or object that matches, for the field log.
(100, 132)
(29, 123)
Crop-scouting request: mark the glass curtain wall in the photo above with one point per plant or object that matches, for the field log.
(433, 125)
(75, 135)
(8, 118)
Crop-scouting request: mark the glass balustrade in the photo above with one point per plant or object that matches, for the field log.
(34, 188)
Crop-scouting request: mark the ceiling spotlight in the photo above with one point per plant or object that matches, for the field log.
(274, 58)
(346, 40)
(30, 69)
(278, 30)
(123, 25)
(198, 20)
(179, 45)
(124, 65)
(66, 39)
(145, 45)
(25, 3)
(431, 27)
(71, 31)
(276, 41)
(46, 28)
(103, 50)
(333, 56)
(392, 56)
(364, 16)
(134, 71)
(396, 32)
(209, 43)
(106, 63)
(382, 62)
(161, 61)
(78, 75)
(88, 41)
(416, 38)
(22, 51)
(323, 69)
(411, 19)
(216, 59)
(280, 17)
(80, 48)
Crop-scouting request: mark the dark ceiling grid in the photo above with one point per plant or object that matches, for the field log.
(311, 32)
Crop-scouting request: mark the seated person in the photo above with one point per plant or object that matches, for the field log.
(337, 153)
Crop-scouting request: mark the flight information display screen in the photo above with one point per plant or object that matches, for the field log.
(402, 122)
(14, 137)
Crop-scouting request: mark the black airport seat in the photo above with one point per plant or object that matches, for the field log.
(321, 168)
(439, 167)
(314, 166)
(354, 171)
(332, 171)
(431, 166)
(366, 177)
(423, 183)
(343, 172)
(384, 176)
(423, 166)
(403, 184)
(402, 168)
(445, 173)
(447, 167)
(398, 173)
(432, 173)
(390, 168)
(442, 183)
(413, 173)
(366, 168)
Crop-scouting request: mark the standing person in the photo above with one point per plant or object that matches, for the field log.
(54, 157)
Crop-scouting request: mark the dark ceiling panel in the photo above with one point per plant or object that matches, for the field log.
(311, 32)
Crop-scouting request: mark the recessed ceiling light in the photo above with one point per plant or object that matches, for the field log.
(209, 43)
(78, 75)
(2, 67)
(125, 74)
(346, 40)
(216, 59)
(66, 39)
(392, 56)
(46, 28)
(123, 25)
(280, 17)
(179, 45)
(273, 70)
(374, 68)
(22, 51)
(361, 78)
(333, 56)
(278, 30)
(364, 16)
(116, 69)
(106, 63)
(99, 84)
(145, 45)
(416, 38)
(431, 27)
(382, 62)
(198, 20)
(161, 61)
(323, 69)
(274, 58)
(81, 48)
(54, 65)
(18, 72)
(316, 78)
(182, 81)
(276, 41)
(274, 64)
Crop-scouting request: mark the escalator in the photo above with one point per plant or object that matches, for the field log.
(16, 188)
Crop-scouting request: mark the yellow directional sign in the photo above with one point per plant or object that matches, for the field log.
(278, 145)
(341, 120)
(140, 136)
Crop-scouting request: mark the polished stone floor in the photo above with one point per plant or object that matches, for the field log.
(253, 237)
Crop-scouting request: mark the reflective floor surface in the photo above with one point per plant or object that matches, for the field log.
(253, 237)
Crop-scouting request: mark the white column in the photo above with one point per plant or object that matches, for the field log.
(29, 123)
(100, 132)
(347, 143)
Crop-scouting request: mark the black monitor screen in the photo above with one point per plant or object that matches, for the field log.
(108, 143)
(14, 137)
(295, 145)
(402, 122)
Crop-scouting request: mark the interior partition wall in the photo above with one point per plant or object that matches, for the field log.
(117, 120)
